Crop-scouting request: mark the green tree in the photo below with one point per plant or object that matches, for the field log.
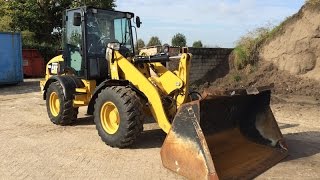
(5, 22)
(42, 16)
(179, 40)
(154, 41)
(3, 7)
(107, 4)
(140, 43)
(37, 20)
(197, 44)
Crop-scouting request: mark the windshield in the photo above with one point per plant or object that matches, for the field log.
(104, 27)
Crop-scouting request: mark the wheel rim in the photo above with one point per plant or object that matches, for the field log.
(54, 104)
(109, 117)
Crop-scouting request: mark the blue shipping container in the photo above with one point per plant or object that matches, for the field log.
(11, 70)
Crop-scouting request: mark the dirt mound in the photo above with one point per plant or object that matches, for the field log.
(296, 47)
(264, 74)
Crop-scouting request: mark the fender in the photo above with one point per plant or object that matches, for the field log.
(103, 85)
(68, 83)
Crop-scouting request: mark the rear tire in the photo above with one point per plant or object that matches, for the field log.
(60, 110)
(118, 116)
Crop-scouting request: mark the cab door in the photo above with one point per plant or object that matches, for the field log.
(73, 44)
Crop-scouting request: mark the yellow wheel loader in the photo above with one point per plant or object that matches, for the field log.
(220, 135)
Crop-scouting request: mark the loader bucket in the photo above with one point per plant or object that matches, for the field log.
(226, 135)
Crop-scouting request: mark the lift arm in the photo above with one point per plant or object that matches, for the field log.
(122, 68)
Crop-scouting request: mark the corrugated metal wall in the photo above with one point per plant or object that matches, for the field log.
(10, 58)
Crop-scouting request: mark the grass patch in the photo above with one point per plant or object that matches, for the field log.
(248, 46)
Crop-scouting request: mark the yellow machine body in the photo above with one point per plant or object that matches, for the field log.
(222, 135)
(164, 82)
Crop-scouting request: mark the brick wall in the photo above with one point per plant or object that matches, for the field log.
(204, 60)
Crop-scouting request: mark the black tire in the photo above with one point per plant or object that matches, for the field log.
(67, 113)
(130, 111)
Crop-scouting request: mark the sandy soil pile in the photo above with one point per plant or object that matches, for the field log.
(296, 48)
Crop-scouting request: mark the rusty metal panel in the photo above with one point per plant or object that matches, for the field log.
(184, 150)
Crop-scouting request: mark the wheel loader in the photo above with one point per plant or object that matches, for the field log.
(214, 135)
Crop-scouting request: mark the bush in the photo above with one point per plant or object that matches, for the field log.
(247, 47)
(241, 57)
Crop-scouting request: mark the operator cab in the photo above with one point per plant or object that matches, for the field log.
(86, 34)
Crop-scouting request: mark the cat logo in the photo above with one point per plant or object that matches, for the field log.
(54, 68)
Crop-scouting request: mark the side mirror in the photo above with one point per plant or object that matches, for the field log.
(138, 22)
(76, 19)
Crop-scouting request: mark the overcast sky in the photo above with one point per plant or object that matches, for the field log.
(214, 22)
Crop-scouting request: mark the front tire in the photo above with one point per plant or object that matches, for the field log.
(60, 110)
(118, 116)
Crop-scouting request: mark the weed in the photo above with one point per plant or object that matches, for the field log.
(237, 78)
(246, 50)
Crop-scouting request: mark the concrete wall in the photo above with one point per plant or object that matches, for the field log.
(205, 60)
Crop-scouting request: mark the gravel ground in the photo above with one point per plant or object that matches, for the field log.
(33, 148)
